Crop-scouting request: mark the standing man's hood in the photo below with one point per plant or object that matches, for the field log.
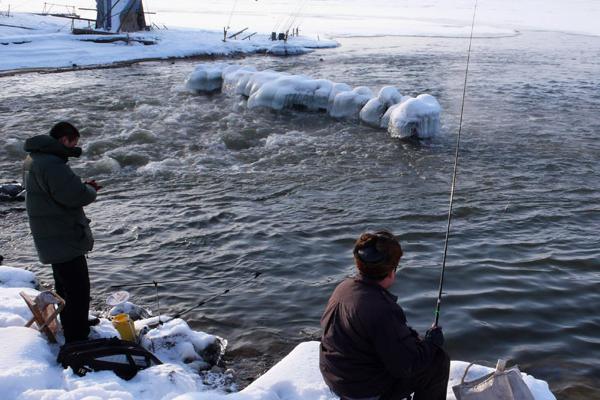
(48, 145)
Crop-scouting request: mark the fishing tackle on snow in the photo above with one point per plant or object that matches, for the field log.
(117, 297)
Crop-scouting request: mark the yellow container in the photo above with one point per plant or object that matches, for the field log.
(124, 326)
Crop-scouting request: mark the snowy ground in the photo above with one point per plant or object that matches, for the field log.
(28, 369)
(50, 44)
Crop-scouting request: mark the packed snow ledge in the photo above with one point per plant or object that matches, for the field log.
(38, 42)
(28, 368)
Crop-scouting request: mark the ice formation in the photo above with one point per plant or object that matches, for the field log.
(418, 116)
(206, 79)
(402, 116)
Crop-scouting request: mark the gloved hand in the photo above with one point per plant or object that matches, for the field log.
(435, 335)
(93, 184)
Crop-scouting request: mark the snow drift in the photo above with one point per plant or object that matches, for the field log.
(402, 116)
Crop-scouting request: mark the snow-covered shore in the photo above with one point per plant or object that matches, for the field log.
(43, 42)
(28, 369)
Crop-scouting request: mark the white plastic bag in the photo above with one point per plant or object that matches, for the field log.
(502, 384)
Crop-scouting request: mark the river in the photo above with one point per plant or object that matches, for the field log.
(200, 188)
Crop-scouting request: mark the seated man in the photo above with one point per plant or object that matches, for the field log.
(367, 350)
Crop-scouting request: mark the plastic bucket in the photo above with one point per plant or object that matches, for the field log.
(124, 326)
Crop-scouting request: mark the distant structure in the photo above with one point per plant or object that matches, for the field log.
(120, 15)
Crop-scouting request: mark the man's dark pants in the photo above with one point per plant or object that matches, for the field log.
(429, 384)
(72, 283)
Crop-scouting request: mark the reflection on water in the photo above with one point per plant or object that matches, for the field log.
(198, 187)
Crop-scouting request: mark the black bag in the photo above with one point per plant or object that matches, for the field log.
(122, 357)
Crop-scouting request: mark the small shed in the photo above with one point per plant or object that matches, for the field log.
(120, 15)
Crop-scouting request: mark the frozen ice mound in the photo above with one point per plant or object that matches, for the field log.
(418, 116)
(292, 91)
(174, 341)
(348, 104)
(375, 108)
(402, 116)
(206, 78)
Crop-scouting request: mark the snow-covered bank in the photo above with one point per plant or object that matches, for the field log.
(402, 116)
(33, 41)
(375, 17)
(28, 369)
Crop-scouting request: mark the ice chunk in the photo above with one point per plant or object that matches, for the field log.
(257, 80)
(418, 116)
(335, 90)
(294, 91)
(348, 104)
(16, 277)
(175, 341)
(389, 96)
(235, 78)
(375, 109)
(206, 78)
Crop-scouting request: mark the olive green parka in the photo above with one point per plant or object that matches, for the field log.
(55, 200)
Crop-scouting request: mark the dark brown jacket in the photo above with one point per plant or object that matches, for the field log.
(366, 346)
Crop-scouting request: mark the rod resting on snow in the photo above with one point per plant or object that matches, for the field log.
(452, 189)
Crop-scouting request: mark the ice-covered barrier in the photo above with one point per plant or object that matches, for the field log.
(402, 116)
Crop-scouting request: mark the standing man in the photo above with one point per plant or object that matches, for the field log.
(61, 232)
(367, 350)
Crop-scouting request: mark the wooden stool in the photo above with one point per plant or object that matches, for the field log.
(44, 312)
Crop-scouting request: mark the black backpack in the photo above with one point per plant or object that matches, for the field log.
(122, 357)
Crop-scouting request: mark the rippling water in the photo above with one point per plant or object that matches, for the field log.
(198, 187)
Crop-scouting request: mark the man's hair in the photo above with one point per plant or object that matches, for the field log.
(376, 254)
(64, 128)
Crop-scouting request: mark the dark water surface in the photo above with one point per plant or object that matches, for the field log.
(198, 187)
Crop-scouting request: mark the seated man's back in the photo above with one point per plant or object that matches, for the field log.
(367, 350)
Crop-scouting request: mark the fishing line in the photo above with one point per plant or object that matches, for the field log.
(152, 283)
(452, 189)
(231, 14)
(211, 298)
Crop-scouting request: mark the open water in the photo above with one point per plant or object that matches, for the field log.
(200, 188)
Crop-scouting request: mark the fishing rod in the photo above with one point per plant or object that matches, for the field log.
(200, 304)
(453, 187)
